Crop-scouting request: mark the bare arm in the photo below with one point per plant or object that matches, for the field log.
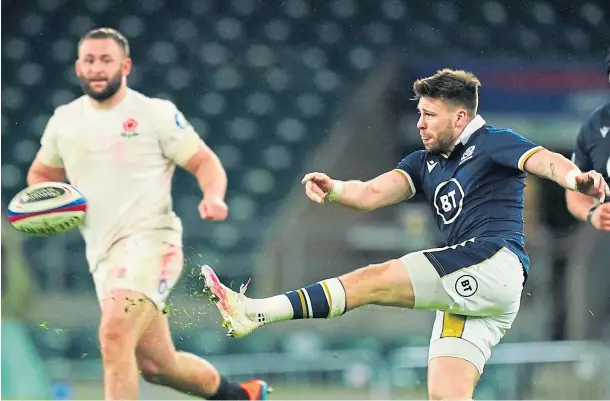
(550, 165)
(208, 170)
(40, 172)
(386, 189)
(556, 167)
(579, 204)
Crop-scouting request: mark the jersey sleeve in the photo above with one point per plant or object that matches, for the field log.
(178, 139)
(511, 149)
(48, 153)
(580, 156)
(410, 169)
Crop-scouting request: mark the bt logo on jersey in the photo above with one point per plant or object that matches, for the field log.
(448, 200)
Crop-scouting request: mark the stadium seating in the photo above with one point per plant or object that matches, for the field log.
(259, 81)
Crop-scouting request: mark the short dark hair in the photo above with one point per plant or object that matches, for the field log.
(455, 86)
(107, 33)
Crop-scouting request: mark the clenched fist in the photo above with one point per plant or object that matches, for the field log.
(213, 208)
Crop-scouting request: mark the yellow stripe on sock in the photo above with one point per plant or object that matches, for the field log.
(328, 296)
(305, 311)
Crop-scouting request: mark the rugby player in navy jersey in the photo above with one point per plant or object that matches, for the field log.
(472, 175)
(592, 152)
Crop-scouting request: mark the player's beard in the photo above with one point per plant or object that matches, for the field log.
(444, 142)
(112, 86)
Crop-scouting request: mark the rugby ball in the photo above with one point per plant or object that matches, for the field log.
(47, 208)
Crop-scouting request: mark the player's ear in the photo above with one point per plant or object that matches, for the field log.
(461, 117)
(126, 66)
(77, 68)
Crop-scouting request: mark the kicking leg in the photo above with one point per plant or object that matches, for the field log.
(161, 364)
(386, 284)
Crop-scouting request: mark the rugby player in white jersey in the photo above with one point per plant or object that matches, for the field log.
(119, 148)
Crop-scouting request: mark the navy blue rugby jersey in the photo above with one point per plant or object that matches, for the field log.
(478, 190)
(592, 151)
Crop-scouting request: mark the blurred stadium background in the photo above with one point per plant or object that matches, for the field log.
(281, 87)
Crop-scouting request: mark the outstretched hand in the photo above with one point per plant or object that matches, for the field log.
(317, 186)
(592, 184)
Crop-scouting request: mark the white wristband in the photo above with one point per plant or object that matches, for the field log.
(335, 193)
(571, 178)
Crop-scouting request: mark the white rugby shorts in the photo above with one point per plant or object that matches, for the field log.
(149, 263)
(476, 303)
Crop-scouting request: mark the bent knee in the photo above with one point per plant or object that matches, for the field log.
(116, 335)
(150, 371)
(113, 329)
(114, 344)
(121, 326)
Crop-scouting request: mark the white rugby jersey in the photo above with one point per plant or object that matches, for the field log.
(122, 159)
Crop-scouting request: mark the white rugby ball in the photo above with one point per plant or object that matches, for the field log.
(47, 208)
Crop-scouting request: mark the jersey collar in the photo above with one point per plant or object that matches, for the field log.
(128, 95)
(470, 129)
